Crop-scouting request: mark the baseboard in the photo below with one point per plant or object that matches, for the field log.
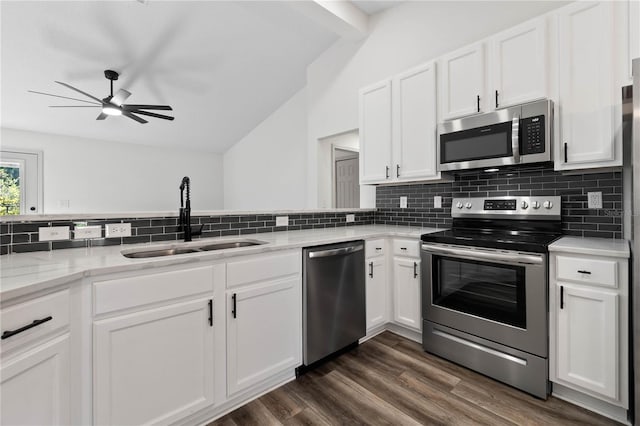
(590, 403)
(373, 333)
(416, 336)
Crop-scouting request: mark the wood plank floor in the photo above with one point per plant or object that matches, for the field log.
(390, 380)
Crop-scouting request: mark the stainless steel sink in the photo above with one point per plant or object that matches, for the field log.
(192, 248)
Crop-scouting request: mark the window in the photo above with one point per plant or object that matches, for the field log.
(20, 182)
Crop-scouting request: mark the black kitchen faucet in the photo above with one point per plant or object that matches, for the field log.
(184, 221)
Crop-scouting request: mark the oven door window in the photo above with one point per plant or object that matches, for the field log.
(476, 144)
(489, 290)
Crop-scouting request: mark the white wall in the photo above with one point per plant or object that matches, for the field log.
(266, 170)
(401, 37)
(101, 176)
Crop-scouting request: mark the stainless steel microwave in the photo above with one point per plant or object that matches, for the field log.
(515, 135)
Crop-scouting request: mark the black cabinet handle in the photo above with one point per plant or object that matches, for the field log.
(387, 172)
(403, 248)
(371, 269)
(478, 101)
(565, 152)
(496, 99)
(378, 248)
(585, 272)
(415, 270)
(35, 323)
(561, 297)
(211, 312)
(397, 170)
(233, 309)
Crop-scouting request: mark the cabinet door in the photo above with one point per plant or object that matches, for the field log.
(463, 82)
(589, 97)
(264, 332)
(154, 366)
(519, 64)
(35, 386)
(375, 133)
(406, 294)
(587, 342)
(415, 120)
(376, 292)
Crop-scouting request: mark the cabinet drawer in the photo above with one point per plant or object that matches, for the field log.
(263, 267)
(138, 290)
(410, 248)
(584, 270)
(51, 313)
(374, 248)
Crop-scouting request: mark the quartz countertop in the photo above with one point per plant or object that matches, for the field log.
(591, 246)
(25, 273)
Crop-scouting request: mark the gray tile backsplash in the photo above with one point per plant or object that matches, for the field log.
(577, 219)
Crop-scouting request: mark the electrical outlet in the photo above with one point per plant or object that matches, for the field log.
(403, 202)
(86, 232)
(53, 233)
(282, 220)
(594, 200)
(117, 230)
(351, 218)
(437, 202)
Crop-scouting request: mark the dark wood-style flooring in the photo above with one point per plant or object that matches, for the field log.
(390, 380)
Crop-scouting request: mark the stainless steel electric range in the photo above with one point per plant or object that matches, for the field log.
(485, 288)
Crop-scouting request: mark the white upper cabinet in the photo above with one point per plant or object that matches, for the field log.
(589, 62)
(375, 133)
(414, 119)
(519, 65)
(463, 82)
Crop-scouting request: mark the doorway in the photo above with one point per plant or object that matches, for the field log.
(346, 178)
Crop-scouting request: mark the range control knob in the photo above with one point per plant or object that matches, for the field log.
(459, 205)
(535, 205)
(468, 205)
(524, 205)
(547, 204)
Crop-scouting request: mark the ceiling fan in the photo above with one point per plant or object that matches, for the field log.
(112, 104)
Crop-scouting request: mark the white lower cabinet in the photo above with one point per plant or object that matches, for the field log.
(264, 319)
(406, 294)
(154, 366)
(35, 385)
(376, 292)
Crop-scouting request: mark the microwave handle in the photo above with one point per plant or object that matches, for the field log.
(515, 142)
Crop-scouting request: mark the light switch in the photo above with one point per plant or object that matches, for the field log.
(437, 202)
(53, 233)
(86, 232)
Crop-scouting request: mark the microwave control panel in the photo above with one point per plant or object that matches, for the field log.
(532, 135)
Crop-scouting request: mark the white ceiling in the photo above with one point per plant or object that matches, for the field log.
(371, 7)
(223, 66)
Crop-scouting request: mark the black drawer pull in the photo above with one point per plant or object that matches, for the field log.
(378, 248)
(386, 172)
(211, 312)
(403, 248)
(397, 170)
(478, 101)
(233, 309)
(561, 297)
(371, 269)
(585, 272)
(35, 323)
(496, 99)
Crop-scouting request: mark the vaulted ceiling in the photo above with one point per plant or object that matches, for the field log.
(223, 66)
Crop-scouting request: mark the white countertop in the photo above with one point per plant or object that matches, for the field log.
(592, 246)
(25, 273)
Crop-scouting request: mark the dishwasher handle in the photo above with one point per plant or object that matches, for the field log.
(336, 252)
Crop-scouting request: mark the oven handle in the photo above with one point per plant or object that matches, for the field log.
(515, 140)
(529, 259)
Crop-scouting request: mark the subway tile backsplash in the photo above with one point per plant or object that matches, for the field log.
(577, 219)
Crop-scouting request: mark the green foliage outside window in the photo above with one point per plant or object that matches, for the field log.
(9, 191)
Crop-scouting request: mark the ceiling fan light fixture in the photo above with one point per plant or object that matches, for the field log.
(111, 110)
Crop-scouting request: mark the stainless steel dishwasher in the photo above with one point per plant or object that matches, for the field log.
(333, 295)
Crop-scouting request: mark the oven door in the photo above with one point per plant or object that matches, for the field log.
(494, 294)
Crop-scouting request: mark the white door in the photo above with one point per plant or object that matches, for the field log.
(415, 121)
(519, 64)
(154, 366)
(375, 133)
(347, 183)
(376, 292)
(35, 386)
(587, 346)
(24, 172)
(589, 96)
(406, 294)
(463, 77)
(263, 332)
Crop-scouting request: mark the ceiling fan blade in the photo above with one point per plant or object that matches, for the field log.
(120, 96)
(153, 114)
(75, 106)
(131, 107)
(64, 97)
(134, 117)
(79, 91)
(102, 116)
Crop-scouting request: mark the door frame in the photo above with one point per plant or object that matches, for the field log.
(334, 180)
